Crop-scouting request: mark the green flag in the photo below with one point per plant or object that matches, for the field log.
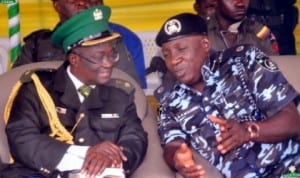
(7, 1)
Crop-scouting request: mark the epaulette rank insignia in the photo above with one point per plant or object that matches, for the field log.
(122, 84)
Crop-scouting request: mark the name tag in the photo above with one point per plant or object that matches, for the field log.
(110, 116)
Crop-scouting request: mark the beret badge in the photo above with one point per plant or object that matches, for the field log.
(172, 26)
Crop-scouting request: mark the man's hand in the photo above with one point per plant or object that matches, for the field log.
(185, 164)
(101, 156)
(233, 134)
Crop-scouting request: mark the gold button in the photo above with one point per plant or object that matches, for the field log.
(44, 170)
(81, 140)
(127, 84)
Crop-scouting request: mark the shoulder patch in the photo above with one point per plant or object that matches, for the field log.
(266, 63)
(122, 84)
(263, 33)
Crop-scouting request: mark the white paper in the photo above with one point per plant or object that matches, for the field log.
(107, 173)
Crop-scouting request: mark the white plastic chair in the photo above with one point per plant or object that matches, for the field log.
(4, 54)
(150, 49)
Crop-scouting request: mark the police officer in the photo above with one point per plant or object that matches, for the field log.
(71, 118)
(38, 46)
(234, 107)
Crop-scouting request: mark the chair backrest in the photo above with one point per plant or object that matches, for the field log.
(289, 66)
(9, 78)
(4, 54)
(150, 49)
(149, 46)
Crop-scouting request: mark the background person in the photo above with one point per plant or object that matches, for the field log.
(230, 26)
(87, 131)
(205, 8)
(232, 106)
(281, 17)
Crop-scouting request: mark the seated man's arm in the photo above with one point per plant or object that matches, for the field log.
(179, 157)
(282, 126)
(133, 138)
(285, 124)
(169, 153)
(129, 150)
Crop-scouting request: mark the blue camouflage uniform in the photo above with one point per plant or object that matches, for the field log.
(241, 83)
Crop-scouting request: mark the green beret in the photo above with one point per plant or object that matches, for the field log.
(89, 27)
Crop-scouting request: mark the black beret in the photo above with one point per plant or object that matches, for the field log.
(181, 25)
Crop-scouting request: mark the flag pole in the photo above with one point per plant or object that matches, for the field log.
(14, 30)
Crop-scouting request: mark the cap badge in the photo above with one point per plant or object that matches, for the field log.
(172, 26)
(97, 14)
(239, 48)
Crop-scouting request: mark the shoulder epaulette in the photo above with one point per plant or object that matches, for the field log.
(122, 84)
(238, 50)
(26, 76)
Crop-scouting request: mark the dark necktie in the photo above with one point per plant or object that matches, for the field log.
(85, 90)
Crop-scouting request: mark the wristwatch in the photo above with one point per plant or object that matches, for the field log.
(252, 129)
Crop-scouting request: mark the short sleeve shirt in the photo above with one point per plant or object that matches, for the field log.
(241, 83)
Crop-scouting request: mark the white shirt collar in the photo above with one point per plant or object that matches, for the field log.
(74, 79)
(77, 83)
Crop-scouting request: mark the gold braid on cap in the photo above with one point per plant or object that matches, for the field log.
(58, 131)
